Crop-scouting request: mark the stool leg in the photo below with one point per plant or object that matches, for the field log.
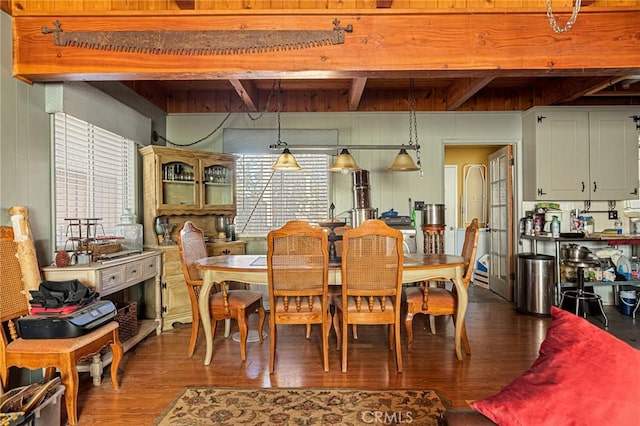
(606, 320)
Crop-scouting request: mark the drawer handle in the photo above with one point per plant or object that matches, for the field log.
(134, 271)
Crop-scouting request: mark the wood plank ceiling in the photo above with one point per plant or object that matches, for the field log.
(463, 55)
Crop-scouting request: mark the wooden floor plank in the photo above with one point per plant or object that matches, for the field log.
(504, 343)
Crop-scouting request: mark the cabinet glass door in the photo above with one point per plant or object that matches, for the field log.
(178, 183)
(218, 185)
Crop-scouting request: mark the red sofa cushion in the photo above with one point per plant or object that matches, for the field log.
(582, 376)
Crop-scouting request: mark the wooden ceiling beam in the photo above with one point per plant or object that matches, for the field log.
(463, 89)
(355, 92)
(383, 43)
(247, 92)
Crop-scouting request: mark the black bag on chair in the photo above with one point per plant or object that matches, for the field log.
(61, 294)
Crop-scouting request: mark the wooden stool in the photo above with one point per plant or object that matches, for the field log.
(433, 238)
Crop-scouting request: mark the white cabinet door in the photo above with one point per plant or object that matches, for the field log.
(563, 155)
(579, 155)
(613, 158)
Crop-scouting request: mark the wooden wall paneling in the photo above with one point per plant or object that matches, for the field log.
(22, 6)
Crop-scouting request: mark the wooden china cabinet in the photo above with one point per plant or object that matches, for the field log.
(180, 185)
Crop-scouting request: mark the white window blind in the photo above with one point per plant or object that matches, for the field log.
(94, 176)
(301, 195)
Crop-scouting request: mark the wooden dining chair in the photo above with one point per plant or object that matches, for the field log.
(372, 259)
(436, 301)
(298, 277)
(223, 304)
(62, 354)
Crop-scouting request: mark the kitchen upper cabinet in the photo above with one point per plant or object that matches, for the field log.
(579, 154)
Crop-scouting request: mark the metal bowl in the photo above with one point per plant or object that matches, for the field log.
(575, 252)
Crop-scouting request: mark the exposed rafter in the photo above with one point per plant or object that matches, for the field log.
(463, 89)
(247, 92)
(355, 92)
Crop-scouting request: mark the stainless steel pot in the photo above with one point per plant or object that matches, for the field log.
(433, 214)
(360, 215)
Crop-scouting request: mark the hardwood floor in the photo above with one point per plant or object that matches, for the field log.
(504, 343)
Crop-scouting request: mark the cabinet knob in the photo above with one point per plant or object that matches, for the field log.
(595, 186)
(226, 251)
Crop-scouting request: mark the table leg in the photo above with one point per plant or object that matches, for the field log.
(205, 316)
(463, 300)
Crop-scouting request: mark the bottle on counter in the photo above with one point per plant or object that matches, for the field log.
(635, 268)
(555, 227)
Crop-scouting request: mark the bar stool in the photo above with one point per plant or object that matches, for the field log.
(433, 238)
(581, 296)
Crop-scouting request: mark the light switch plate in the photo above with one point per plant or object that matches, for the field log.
(613, 214)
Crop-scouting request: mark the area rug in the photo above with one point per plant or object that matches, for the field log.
(302, 406)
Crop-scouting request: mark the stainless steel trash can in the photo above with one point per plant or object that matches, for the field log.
(534, 287)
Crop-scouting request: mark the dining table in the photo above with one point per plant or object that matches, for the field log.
(252, 269)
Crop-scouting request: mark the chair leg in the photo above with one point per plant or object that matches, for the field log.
(242, 325)
(272, 342)
(261, 315)
(195, 328)
(69, 376)
(398, 341)
(408, 325)
(344, 343)
(117, 351)
(308, 334)
(336, 327)
(354, 329)
(326, 328)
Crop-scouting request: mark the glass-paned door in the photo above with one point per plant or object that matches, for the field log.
(501, 222)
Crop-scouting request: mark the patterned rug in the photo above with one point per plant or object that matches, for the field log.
(300, 406)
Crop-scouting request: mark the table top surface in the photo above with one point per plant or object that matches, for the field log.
(258, 263)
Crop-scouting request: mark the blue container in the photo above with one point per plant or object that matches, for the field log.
(627, 302)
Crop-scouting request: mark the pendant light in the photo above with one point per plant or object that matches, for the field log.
(344, 163)
(286, 161)
(403, 161)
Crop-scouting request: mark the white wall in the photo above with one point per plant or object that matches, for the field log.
(388, 190)
(25, 156)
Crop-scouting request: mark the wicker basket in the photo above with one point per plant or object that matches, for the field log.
(127, 319)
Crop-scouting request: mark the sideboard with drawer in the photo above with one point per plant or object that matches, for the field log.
(115, 279)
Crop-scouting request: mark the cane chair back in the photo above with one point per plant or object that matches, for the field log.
(225, 304)
(63, 354)
(372, 259)
(298, 277)
(437, 301)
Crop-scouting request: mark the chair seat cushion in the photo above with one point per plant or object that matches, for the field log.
(364, 306)
(304, 305)
(237, 298)
(50, 346)
(440, 297)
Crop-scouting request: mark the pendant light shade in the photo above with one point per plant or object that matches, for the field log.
(344, 162)
(286, 162)
(403, 163)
